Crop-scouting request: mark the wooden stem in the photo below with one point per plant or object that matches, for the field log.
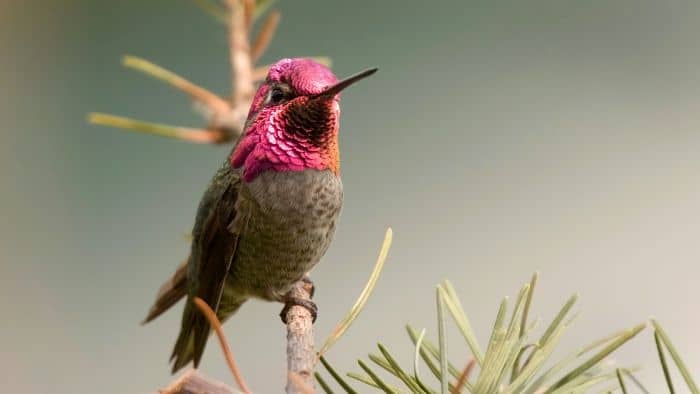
(301, 356)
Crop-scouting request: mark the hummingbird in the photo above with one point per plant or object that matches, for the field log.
(269, 213)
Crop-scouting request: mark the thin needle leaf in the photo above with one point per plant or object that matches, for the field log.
(382, 363)
(664, 365)
(398, 371)
(621, 381)
(324, 386)
(523, 325)
(380, 383)
(442, 340)
(558, 319)
(428, 356)
(597, 357)
(676, 357)
(337, 377)
(429, 349)
(368, 381)
(635, 380)
(416, 360)
(364, 296)
(454, 306)
(542, 380)
(416, 354)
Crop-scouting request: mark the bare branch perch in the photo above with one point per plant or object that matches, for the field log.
(301, 355)
(300, 383)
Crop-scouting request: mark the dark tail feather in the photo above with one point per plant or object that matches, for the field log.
(183, 352)
(194, 333)
(170, 293)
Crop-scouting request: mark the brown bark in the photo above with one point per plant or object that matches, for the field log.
(301, 356)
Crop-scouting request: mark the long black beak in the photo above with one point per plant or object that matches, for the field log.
(335, 89)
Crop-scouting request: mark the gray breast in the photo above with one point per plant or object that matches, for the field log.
(290, 222)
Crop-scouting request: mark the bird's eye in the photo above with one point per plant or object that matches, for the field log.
(277, 95)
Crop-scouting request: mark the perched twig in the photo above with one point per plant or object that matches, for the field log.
(216, 325)
(301, 356)
(664, 365)
(300, 384)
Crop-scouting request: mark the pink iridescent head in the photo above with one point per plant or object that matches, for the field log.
(293, 121)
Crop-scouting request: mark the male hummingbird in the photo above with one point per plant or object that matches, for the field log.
(269, 214)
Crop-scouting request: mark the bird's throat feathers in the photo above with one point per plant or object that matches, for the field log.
(297, 136)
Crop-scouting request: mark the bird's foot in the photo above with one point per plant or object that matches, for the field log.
(309, 285)
(289, 302)
(300, 294)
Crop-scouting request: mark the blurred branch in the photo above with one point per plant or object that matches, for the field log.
(199, 136)
(214, 9)
(225, 119)
(239, 51)
(267, 31)
(194, 382)
(211, 100)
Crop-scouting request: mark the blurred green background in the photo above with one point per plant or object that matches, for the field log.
(498, 138)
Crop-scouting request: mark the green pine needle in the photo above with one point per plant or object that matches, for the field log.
(621, 381)
(442, 340)
(337, 376)
(454, 306)
(676, 357)
(595, 359)
(324, 386)
(380, 383)
(664, 365)
(362, 299)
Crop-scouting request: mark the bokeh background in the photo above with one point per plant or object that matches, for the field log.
(498, 138)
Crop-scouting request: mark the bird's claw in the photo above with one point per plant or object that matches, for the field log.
(312, 288)
(293, 301)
